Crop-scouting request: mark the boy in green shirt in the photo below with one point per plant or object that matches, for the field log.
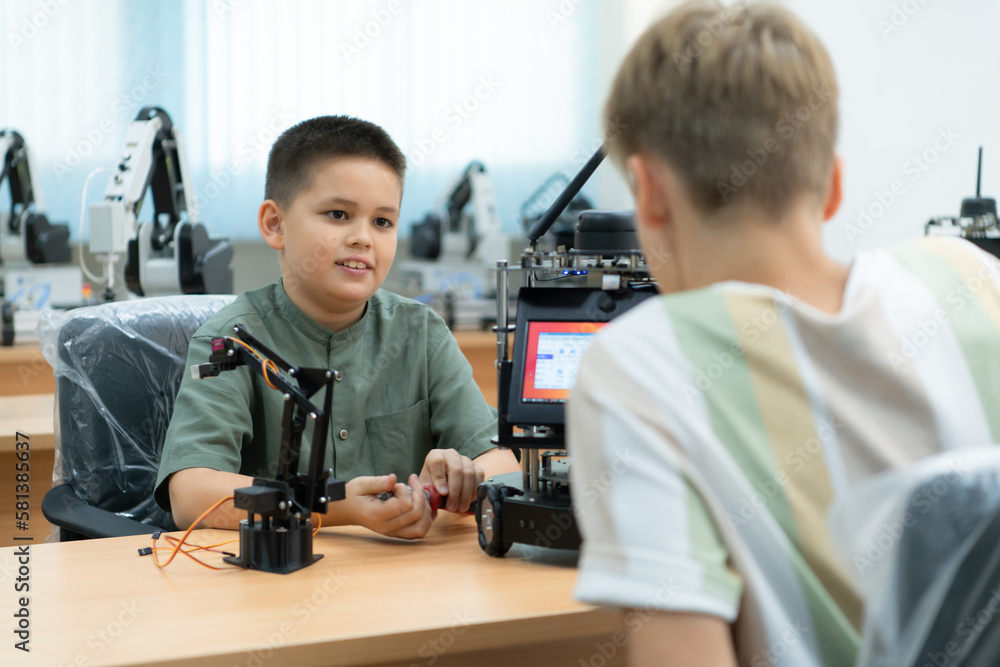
(405, 405)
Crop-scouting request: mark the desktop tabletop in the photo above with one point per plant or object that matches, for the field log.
(370, 601)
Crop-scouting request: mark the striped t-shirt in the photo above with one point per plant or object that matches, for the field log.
(710, 431)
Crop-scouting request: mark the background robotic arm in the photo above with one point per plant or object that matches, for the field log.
(453, 232)
(26, 236)
(172, 254)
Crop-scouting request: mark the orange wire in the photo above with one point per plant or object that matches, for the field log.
(171, 538)
(187, 553)
(178, 544)
(196, 547)
(267, 365)
(177, 547)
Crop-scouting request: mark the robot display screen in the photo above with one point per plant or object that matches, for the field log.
(553, 356)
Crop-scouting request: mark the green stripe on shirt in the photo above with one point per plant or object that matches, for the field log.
(703, 327)
(965, 313)
(736, 392)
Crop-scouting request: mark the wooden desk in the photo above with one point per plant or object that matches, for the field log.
(31, 415)
(23, 370)
(480, 348)
(370, 601)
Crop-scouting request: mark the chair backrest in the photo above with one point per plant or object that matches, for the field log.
(924, 544)
(118, 367)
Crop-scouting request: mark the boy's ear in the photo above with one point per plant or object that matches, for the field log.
(652, 203)
(835, 193)
(270, 222)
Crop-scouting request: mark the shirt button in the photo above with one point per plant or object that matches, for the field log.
(343, 434)
(338, 375)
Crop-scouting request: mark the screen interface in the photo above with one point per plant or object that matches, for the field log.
(553, 357)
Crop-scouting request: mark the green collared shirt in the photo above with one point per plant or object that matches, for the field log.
(405, 389)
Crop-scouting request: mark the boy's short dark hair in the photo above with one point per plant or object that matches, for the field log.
(741, 101)
(301, 148)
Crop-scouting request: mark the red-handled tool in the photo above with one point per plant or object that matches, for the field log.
(434, 499)
(437, 501)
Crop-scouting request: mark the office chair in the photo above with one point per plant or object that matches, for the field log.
(932, 595)
(118, 367)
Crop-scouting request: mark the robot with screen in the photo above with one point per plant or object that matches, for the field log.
(600, 278)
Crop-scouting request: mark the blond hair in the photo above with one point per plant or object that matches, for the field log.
(741, 101)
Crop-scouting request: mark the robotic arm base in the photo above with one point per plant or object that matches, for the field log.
(193, 264)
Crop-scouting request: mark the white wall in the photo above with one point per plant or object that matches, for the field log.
(940, 69)
(910, 71)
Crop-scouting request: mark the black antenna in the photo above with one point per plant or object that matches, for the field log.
(979, 173)
(565, 197)
(978, 206)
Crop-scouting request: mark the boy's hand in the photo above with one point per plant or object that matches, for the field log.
(453, 475)
(406, 514)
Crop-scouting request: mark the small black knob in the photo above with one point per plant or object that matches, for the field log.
(605, 303)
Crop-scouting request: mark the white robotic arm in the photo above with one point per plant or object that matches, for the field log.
(456, 247)
(172, 254)
(453, 233)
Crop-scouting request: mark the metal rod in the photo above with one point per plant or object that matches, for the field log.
(526, 468)
(535, 463)
(502, 304)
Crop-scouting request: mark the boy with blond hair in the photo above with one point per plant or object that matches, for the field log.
(405, 405)
(768, 379)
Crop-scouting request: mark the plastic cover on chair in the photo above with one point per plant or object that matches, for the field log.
(118, 367)
(924, 546)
